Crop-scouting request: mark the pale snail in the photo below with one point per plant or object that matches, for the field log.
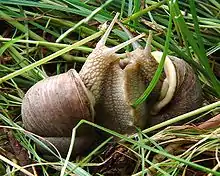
(103, 91)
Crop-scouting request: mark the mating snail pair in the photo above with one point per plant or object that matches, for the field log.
(103, 91)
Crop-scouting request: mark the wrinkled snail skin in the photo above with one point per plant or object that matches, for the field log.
(114, 111)
(122, 87)
(94, 69)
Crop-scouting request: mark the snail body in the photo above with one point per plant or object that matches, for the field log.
(117, 113)
(122, 87)
(102, 92)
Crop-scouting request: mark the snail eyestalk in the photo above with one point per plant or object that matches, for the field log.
(102, 41)
(147, 48)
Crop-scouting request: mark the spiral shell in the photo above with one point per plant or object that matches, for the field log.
(53, 106)
(187, 96)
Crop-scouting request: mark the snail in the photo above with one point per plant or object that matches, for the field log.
(52, 107)
(103, 91)
(178, 93)
(127, 82)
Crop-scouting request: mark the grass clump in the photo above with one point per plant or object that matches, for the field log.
(43, 38)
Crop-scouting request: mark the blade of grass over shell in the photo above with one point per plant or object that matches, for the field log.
(21, 131)
(20, 134)
(73, 136)
(52, 56)
(159, 70)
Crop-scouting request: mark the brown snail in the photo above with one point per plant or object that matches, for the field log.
(178, 93)
(52, 107)
(102, 93)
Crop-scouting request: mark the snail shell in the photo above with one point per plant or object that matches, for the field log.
(53, 106)
(187, 96)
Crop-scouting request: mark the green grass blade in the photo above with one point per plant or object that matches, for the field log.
(189, 39)
(159, 69)
(202, 53)
(52, 56)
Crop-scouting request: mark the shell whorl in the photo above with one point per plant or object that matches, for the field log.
(187, 96)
